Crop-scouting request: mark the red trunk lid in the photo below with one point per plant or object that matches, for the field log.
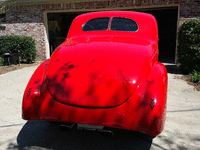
(97, 74)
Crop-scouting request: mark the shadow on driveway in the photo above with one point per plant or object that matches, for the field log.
(44, 135)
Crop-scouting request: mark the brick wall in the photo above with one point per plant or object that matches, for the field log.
(28, 19)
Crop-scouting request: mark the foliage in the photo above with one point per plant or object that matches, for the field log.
(24, 46)
(5, 3)
(1, 61)
(189, 46)
(2, 6)
(28, 51)
(195, 76)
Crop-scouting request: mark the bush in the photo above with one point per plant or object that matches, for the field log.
(195, 76)
(189, 46)
(1, 61)
(28, 51)
(24, 46)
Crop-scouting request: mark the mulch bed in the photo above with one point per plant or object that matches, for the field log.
(5, 69)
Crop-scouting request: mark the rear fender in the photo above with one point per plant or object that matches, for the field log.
(33, 91)
(155, 100)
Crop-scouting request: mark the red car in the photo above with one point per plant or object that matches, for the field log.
(105, 74)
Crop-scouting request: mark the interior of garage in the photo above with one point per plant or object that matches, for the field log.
(58, 26)
(59, 23)
(167, 18)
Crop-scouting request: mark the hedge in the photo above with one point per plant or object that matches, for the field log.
(189, 46)
(1, 61)
(23, 45)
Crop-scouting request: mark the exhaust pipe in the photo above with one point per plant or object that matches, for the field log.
(106, 133)
(66, 126)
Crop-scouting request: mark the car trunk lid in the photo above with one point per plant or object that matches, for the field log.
(97, 74)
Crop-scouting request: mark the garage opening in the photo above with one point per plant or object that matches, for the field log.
(167, 29)
(59, 23)
(58, 26)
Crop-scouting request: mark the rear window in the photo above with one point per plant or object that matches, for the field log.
(123, 24)
(97, 24)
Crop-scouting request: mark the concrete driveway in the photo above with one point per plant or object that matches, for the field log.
(182, 127)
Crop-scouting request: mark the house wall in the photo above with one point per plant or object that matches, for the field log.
(29, 19)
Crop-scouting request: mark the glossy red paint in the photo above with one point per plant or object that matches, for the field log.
(106, 78)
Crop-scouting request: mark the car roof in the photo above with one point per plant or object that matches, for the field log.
(127, 14)
(146, 22)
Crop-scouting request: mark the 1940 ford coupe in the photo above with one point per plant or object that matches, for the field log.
(105, 74)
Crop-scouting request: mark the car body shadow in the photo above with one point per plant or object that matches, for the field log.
(42, 134)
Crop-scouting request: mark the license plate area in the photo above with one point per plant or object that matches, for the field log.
(89, 127)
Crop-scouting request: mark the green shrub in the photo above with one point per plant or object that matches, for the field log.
(28, 49)
(1, 61)
(24, 46)
(195, 76)
(9, 44)
(189, 46)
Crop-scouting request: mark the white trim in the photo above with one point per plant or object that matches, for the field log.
(46, 35)
(116, 8)
(177, 26)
